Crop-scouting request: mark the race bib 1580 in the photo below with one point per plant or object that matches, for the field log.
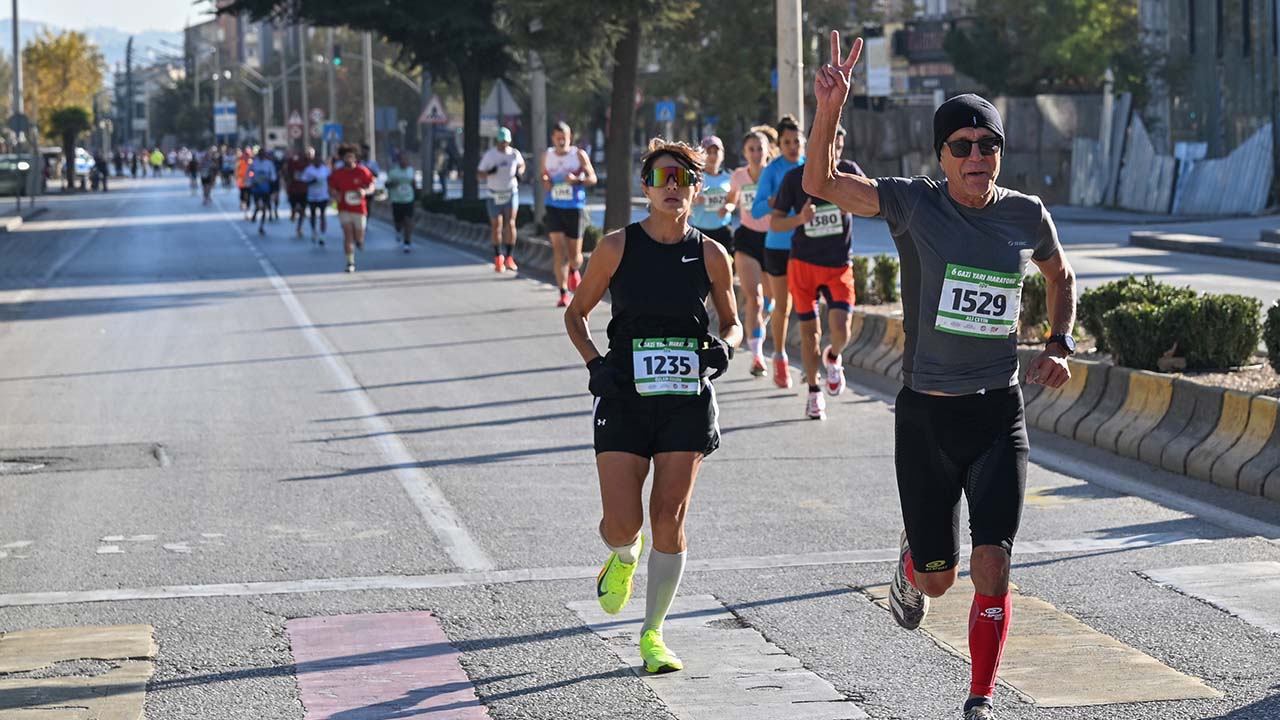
(665, 366)
(979, 303)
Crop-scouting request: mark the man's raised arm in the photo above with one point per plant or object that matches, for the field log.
(852, 193)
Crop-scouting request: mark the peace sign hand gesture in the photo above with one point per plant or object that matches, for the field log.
(831, 83)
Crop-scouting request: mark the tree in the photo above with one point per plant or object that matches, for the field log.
(60, 71)
(1019, 47)
(462, 39)
(607, 41)
(174, 113)
(66, 124)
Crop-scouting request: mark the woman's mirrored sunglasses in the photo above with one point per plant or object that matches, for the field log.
(660, 176)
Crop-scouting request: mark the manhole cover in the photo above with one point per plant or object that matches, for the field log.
(15, 467)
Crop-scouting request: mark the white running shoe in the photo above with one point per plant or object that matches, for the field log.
(835, 372)
(816, 407)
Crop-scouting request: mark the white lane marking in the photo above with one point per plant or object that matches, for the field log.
(17, 544)
(110, 550)
(426, 495)
(731, 671)
(548, 574)
(114, 222)
(1247, 590)
(180, 547)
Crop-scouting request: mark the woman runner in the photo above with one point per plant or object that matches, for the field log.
(748, 240)
(654, 398)
(712, 210)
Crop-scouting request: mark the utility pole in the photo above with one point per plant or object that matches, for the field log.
(427, 149)
(368, 96)
(302, 70)
(128, 87)
(538, 131)
(790, 61)
(284, 80)
(332, 72)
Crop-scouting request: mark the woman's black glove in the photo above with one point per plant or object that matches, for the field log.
(715, 357)
(605, 380)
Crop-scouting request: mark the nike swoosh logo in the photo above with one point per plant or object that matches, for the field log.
(688, 260)
(599, 583)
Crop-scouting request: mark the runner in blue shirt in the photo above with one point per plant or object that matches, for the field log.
(777, 245)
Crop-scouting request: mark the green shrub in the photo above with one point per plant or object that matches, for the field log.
(1096, 302)
(861, 269)
(1271, 335)
(1211, 331)
(591, 237)
(886, 278)
(476, 211)
(1035, 306)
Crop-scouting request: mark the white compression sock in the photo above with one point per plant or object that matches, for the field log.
(665, 571)
(628, 554)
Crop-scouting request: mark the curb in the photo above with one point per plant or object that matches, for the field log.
(1205, 245)
(1226, 437)
(9, 224)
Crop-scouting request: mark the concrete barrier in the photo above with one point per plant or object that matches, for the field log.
(1113, 398)
(1144, 407)
(1029, 392)
(1095, 382)
(1231, 425)
(1271, 487)
(1182, 405)
(1262, 424)
(892, 334)
(1253, 474)
(873, 330)
(1207, 414)
(894, 353)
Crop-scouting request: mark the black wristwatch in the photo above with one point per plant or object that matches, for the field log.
(1067, 342)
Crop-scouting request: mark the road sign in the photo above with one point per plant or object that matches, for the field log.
(386, 118)
(295, 132)
(224, 117)
(316, 131)
(665, 111)
(332, 132)
(19, 123)
(433, 113)
(500, 103)
(295, 118)
(317, 115)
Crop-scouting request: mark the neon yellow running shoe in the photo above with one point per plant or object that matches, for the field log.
(657, 658)
(614, 583)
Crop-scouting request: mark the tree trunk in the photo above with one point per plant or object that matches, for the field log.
(69, 153)
(622, 120)
(470, 79)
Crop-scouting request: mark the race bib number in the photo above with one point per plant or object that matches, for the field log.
(979, 303)
(666, 366)
(827, 221)
(501, 198)
(562, 192)
(352, 197)
(746, 197)
(714, 200)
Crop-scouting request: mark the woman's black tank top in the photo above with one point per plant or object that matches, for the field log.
(658, 291)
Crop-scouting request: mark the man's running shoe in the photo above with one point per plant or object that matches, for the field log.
(574, 278)
(908, 604)
(757, 366)
(407, 249)
(979, 709)
(835, 372)
(299, 232)
(614, 583)
(511, 264)
(781, 372)
(657, 658)
(816, 407)
(497, 264)
(321, 241)
(351, 267)
(563, 301)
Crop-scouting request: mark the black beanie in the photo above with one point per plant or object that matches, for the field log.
(964, 111)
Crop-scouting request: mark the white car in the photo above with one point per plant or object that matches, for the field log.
(84, 163)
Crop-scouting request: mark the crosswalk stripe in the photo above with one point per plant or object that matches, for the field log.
(380, 665)
(1055, 659)
(1247, 590)
(731, 671)
(549, 574)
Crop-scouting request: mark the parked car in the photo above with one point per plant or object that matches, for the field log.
(13, 173)
(84, 164)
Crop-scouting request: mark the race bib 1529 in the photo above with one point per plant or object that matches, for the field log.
(665, 366)
(979, 303)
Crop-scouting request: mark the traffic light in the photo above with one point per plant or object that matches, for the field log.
(337, 55)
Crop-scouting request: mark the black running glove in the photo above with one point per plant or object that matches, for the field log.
(715, 357)
(605, 382)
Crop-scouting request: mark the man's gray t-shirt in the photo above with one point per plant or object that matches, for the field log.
(962, 281)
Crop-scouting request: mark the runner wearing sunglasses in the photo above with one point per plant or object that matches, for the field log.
(777, 245)
(748, 240)
(964, 244)
(654, 402)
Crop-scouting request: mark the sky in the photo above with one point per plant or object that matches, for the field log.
(127, 15)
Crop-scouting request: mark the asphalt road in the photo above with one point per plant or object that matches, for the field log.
(235, 434)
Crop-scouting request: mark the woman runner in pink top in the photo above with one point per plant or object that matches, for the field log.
(748, 241)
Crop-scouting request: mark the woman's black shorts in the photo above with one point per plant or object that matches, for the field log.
(648, 426)
(775, 261)
(751, 242)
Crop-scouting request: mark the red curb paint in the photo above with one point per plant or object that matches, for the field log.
(361, 667)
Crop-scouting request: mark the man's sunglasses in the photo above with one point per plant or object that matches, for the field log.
(986, 146)
(660, 176)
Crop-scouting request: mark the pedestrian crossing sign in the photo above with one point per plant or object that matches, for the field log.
(433, 113)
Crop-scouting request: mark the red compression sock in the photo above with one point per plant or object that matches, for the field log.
(911, 571)
(988, 629)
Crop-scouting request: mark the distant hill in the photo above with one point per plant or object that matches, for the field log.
(146, 45)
